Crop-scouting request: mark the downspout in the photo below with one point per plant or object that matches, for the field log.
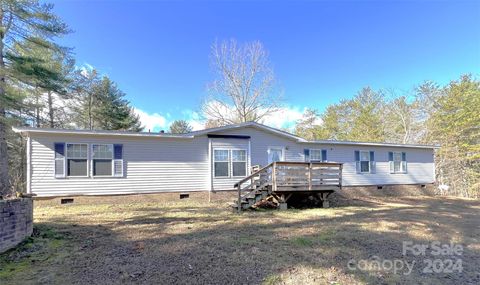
(210, 167)
(29, 164)
(249, 158)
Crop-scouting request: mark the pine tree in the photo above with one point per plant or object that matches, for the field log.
(102, 105)
(180, 127)
(21, 23)
(308, 127)
(455, 124)
(360, 118)
(114, 110)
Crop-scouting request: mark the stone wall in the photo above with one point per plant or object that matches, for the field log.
(16, 221)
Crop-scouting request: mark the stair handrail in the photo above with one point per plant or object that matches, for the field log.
(250, 177)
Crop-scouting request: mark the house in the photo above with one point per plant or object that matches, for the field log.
(65, 162)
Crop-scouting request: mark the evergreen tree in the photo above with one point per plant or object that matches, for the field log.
(102, 105)
(21, 23)
(360, 118)
(180, 127)
(47, 71)
(446, 116)
(308, 127)
(367, 116)
(455, 125)
(114, 110)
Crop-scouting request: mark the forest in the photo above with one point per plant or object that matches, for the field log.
(447, 116)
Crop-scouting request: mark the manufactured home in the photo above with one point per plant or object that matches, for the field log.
(65, 162)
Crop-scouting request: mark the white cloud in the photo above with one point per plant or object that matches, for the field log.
(151, 122)
(284, 118)
(194, 119)
(86, 69)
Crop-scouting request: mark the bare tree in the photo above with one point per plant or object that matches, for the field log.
(403, 117)
(245, 86)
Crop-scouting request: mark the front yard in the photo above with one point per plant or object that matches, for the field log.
(159, 239)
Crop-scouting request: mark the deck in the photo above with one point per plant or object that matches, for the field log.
(281, 179)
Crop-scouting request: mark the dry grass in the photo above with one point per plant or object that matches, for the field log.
(153, 239)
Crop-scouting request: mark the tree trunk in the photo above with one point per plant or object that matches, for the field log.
(4, 183)
(50, 110)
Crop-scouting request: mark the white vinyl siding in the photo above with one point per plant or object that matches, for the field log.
(154, 164)
(420, 166)
(150, 165)
(420, 169)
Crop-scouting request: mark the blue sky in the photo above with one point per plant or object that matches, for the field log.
(158, 51)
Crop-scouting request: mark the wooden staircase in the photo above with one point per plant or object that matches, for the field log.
(285, 178)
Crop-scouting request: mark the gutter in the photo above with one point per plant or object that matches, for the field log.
(372, 144)
(102, 133)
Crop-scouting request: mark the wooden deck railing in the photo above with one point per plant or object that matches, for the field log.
(306, 175)
(292, 176)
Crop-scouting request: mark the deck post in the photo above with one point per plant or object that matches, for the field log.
(340, 178)
(310, 176)
(274, 176)
(239, 202)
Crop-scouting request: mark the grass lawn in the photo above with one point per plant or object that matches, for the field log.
(159, 239)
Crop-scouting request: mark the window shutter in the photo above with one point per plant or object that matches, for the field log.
(372, 162)
(117, 160)
(390, 156)
(324, 155)
(59, 168)
(390, 161)
(404, 162)
(118, 151)
(306, 153)
(357, 161)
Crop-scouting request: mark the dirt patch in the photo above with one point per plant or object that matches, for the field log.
(353, 192)
(159, 238)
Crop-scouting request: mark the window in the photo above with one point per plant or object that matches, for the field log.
(275, 154)
(77, 157)
(398, 162)
(229, 163)
(365, 161)
(102, 159)
(221, 163)
(73, 160)
(239, 162)
(315, 155)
